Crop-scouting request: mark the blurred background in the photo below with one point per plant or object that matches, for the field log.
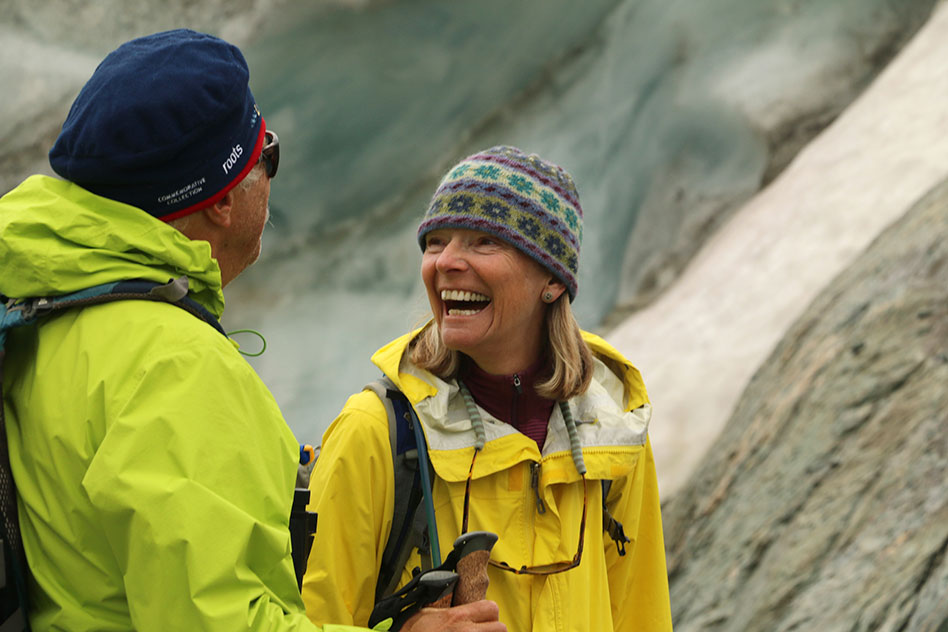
(735, 159)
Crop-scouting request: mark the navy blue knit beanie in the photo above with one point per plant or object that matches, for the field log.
(167, 124)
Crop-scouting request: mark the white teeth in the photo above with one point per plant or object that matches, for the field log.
(462, 312)
(460, 295)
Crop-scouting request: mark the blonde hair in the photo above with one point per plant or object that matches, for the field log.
(569, 355)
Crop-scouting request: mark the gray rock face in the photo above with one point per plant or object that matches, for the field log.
(824, 503)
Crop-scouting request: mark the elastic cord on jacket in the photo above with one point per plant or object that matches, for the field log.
(576, 447)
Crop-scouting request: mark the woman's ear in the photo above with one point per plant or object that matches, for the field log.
(553, 290)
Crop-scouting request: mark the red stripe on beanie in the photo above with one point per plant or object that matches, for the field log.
(254, 158)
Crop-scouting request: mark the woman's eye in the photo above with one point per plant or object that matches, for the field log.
(434, 243)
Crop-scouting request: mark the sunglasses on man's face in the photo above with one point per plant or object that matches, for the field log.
(270, 155)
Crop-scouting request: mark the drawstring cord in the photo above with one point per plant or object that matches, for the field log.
(254, 332)
(475, 416)
(575, 446)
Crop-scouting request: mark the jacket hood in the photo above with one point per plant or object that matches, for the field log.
(420, 384)
(57, 238)
(612, 419)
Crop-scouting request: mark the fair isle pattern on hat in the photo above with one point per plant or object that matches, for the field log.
(526, 201)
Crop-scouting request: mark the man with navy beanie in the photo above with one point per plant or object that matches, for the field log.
(154, 470)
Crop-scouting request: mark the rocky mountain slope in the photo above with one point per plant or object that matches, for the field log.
(823, 505)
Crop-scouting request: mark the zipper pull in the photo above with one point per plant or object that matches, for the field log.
(514, 408)
(535, 484)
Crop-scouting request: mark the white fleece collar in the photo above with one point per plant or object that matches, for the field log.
(600, 420)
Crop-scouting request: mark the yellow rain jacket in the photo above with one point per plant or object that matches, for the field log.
(154, 468)
(352, 490)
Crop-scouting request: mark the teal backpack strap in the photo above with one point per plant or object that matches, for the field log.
(612, 526)
(27, 312)
(17, 313)
(413, 475)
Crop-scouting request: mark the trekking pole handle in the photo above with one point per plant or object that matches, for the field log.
(442, 587)
(429, 589)
(474, 553)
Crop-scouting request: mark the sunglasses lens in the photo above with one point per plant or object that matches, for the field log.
(271, 153)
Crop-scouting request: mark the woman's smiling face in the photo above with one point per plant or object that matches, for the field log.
(486, 297)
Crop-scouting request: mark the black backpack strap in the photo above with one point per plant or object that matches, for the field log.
(409, 525)
(13, 595)
(17, 313)
(609, 524)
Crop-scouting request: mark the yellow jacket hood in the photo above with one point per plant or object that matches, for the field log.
(612, 419)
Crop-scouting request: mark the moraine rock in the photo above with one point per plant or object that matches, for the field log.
(824, 503)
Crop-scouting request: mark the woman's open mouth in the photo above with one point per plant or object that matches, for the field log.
(463, 303)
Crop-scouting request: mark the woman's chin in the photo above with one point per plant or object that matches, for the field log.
(459, 342)
(464, 329)
(460, 336)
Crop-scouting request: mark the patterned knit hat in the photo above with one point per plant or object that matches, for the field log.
(526, 201)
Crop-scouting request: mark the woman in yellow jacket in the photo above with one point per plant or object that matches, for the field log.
(524, 416)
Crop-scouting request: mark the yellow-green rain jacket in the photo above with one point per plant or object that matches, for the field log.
(154, 468)
(352, 490)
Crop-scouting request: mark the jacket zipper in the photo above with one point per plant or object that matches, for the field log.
(516, 400)
(535, 484)
(535, 466)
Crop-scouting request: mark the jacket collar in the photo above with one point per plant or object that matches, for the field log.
(611, 425)
(60, 238)
(420, 384)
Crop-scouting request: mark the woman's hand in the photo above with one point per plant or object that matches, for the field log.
(479, 616)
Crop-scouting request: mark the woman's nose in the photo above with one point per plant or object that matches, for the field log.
(451, 258)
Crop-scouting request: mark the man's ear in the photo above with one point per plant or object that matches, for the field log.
(220, 213)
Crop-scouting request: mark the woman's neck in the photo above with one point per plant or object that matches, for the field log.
(510, 360)
(512, 397)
